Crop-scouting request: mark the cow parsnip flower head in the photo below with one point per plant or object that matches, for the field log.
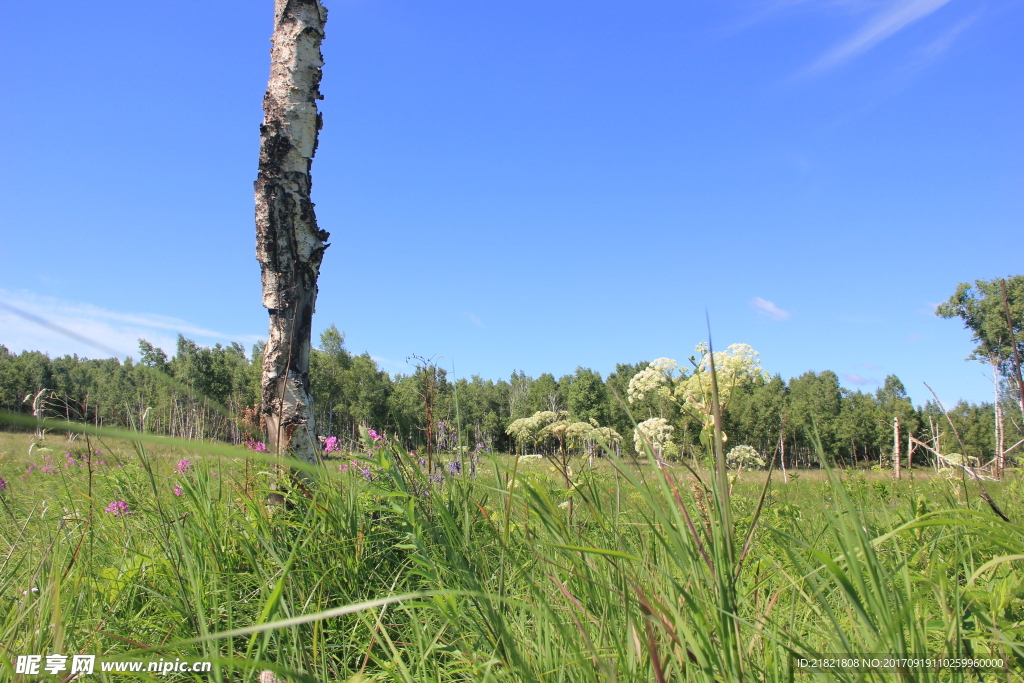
(656, 432)
(735, 366)
(744, 456)
(606, 436)
(534, 426)
(520, 429)
(664, 377)
(545, 417)
(578, 431)
(557, 429)
(659, 378)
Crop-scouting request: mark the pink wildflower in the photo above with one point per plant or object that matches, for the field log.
(118, 508)
(184, 466)
(178, 490)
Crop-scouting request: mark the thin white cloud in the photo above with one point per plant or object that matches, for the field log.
(31, 322)
(944, 41)
(857, 380)
(768, 309)
(895, 17)
(393, 367)
(473, 319)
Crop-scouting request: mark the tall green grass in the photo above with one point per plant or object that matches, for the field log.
(650, 574)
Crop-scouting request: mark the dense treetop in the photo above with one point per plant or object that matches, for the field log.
(211, 392)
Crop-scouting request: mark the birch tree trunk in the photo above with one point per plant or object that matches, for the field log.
(1000, 439)
(897, 458)
(289, 245)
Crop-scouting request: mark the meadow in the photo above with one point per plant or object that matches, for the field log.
(485, 568)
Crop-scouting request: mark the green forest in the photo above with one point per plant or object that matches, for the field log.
(213, 393)
(297, 512)
(503, 554)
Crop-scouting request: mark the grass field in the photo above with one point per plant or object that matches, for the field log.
(492, 571)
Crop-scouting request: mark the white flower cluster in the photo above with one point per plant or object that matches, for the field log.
(735, 366)
(655, 432)
(547, 423)
(660, 378)
(530, 427)
(744, 456)
(663, 377)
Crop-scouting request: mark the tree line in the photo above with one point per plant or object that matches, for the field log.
(214, 393)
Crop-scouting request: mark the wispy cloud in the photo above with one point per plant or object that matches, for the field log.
(32, 322)
(944, 41)
(913, 337)
(928, 309)
(394, 367)
(869, 366)
(768, 309)
(857, 380)
(889, 21)
(473, 319)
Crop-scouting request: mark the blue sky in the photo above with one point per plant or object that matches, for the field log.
(530, 185)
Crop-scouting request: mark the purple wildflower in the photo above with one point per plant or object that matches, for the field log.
(118, 508)
(343, 467)
(256, 446)
(374, 435)
(436, 479)
(178, 490)
(454, 467)
(331, 444)
(49, 457)
(184, 466)
(3, 484)
(367, 474)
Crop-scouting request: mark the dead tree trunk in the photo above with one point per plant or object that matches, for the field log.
(897, 459)
(1013, 346)
(910, 452)
(1000, 439)
(289, 245)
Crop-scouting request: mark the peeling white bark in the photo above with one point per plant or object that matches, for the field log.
(897, 459)
(289, 245)
(1000, 438)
